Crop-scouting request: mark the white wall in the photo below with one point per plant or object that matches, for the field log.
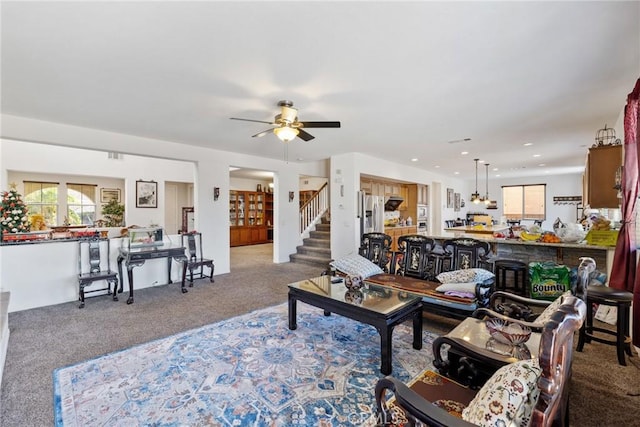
(206, 168)
(246, 184)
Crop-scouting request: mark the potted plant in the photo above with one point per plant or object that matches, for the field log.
(113, 213)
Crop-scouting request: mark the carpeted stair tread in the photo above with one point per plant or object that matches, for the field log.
(310, 241)
(315, 249)
(310, 260)
(324, 235)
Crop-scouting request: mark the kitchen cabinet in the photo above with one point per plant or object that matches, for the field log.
(423, 194)
(603, 164)
(247, 217)
(395, 232)
(365, 185)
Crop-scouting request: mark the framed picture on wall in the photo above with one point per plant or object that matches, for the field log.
(146, 194)
(449, 197)
(109, 194)
(456, 202)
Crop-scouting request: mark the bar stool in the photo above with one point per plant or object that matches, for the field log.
(615, 298)
(520, 271)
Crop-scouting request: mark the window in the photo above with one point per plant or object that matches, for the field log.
(524, 201)
(42, 198)
(81, 205)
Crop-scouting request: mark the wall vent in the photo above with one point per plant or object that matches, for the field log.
(115, 156)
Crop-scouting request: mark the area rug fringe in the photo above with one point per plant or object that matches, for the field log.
(247, 370)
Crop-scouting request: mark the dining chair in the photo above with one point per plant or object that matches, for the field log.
(192, 241)
(94, 265)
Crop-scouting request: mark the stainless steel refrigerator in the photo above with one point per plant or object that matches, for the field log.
(370, 213)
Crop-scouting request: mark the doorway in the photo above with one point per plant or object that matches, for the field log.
(251, 217)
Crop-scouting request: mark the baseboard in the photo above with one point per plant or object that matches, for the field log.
(4, 330)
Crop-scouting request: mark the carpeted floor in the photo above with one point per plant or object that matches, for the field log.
(602, 394)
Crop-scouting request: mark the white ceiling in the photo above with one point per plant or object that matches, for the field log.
(404, 78)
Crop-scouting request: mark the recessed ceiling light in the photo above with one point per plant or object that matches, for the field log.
(481, 161)
(456, 173)
(536, 155)
(497, 175)
(527, 144)
(414, 159)
(495, 169)
(464, 153)
(542, 164)
(437, 166)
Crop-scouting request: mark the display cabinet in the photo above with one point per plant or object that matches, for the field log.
(247, 217)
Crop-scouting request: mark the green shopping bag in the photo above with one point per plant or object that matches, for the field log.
(548, 280)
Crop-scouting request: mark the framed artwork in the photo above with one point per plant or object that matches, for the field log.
(109, 194)
(456, 202)
(449, 197)
(146, 194)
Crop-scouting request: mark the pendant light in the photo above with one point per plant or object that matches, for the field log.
(486, 196)
(475, 197)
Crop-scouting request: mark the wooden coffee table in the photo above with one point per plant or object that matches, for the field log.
(379, 306)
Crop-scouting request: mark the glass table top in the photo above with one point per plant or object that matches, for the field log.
(373, 297)
(475, 332)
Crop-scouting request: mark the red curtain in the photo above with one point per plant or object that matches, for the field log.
(623, 272)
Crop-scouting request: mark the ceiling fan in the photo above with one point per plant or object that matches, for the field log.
(288, 125)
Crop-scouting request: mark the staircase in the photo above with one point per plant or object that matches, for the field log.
(316, 249)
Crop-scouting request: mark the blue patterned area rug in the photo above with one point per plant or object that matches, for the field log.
(250, 370)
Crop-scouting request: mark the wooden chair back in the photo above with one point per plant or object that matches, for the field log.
(415, 250)
(466, 252)
(555, 356)
(376, 247)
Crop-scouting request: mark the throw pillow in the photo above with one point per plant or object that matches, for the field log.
(477, 275)
(469, 287)
(482, 274)
(457, 276)
(356, 265)
(545, 316)
(508, 398)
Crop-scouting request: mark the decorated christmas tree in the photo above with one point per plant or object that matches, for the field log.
(13, 213)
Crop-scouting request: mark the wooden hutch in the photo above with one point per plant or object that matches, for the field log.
(250, 217)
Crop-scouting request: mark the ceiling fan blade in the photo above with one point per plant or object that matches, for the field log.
(320, 124)
(250, 120)
(305, 136)
(263, 133)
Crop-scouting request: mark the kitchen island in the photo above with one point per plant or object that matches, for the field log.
(531, 251)
(473, 230)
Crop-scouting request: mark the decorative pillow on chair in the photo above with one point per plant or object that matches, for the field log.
(507, 398)
(482, 274)
(457, 276)
(466, 275)
(356, 265)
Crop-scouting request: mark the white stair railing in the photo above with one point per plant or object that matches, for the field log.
(313, 209)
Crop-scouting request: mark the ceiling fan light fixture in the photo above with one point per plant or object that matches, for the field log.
(286, 133)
